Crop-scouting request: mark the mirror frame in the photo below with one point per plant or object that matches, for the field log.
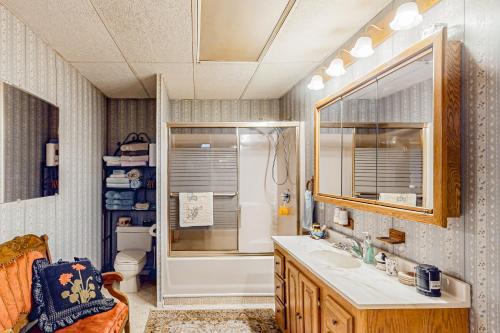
(446, 134)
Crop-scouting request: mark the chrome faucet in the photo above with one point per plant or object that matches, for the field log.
(356, 249)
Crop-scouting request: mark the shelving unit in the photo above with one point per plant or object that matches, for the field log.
(110, 217)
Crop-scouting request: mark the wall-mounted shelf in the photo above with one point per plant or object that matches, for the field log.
(395, 237)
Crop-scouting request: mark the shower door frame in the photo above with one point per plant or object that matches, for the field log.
(236, 126)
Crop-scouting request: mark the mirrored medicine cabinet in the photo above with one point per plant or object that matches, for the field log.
(389, 143)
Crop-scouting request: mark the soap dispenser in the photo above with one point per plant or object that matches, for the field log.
(368, 250)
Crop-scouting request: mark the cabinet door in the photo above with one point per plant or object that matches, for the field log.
(335, 318)
(309, 306)
(292, 297)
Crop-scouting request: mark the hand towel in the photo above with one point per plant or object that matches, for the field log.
(196, 209)
(144, 158)
(134, 147)
(132, 164)
(308, 211)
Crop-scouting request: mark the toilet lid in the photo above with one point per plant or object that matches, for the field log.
(130, 257)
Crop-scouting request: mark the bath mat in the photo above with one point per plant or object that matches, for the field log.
(211, 321)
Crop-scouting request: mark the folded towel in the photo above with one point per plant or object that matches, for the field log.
(125, 195)
(134, 174)
(122, 202)
(111, 185)
(132, 164)
(196, 209)
(117, 180)
(114, 163)
(135, 183)
(135, 153)
(118, 172)
(134, 158)
(111, 158)
(141, 206)
(119, 207)
(134, 147)
(118, 176)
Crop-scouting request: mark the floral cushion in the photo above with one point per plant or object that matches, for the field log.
(66, 292)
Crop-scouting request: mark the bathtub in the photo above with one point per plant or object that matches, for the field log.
(219, 276)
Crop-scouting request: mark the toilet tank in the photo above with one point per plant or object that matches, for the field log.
(133, 238)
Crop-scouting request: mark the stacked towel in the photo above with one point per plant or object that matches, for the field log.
(118, 179)
(125, 195)
(119, 200)
(112, 160)
(134, 154)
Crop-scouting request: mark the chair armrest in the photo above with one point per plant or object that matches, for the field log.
(108, 279)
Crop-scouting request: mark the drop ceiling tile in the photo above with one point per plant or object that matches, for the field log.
(149, 30)
(179, 78)
(214, 80)
(274, 80)
(315, 28)
(72, 27)
(115, 80)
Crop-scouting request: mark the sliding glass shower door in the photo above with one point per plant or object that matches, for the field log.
(251, 171)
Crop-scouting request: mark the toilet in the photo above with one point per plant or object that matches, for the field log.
(132, 244)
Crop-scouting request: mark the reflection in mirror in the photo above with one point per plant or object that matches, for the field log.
(330, 157)
(405, 151)
(29, 146)
(359, 142)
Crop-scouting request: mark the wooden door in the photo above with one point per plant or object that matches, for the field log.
(308, 305)
(292, 297)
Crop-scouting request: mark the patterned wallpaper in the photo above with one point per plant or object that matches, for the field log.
(26, 128)
(211, 110)
(124, 116)
(468, 248)
(71, 219)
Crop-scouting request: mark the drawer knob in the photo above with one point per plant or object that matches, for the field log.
(334, 322)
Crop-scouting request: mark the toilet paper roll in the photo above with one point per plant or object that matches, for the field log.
(51, 154)
(152, 154)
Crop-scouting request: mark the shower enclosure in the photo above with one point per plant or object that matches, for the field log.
(252, 170)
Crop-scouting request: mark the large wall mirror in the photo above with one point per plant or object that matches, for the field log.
(29, 146)
(384, 143)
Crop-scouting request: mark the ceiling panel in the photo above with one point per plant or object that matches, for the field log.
(149, 30)
(274, 80)
(115, 80)
(72, 27)
(216, 80)
(179, 78)
(228, 29)
(316, 28)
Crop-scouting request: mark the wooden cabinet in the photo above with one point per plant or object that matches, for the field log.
(305, 304)
(336, 319)
(308, 305)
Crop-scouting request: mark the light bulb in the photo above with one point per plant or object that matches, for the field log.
(336, 68)
(363, 48)
(316, 83)
(407, 17)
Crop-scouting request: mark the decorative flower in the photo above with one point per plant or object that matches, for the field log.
(78, 267)
(65, 278)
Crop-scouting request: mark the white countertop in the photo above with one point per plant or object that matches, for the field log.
(367, 287)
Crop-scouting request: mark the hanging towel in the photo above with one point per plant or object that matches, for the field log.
(408, 199)
(196, 209)
(308, 211)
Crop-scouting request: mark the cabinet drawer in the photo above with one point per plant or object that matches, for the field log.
(279, 264)
(279, 288)
(335, 318)
(280, 314)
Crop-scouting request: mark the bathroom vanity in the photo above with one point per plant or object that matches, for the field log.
(321, 289)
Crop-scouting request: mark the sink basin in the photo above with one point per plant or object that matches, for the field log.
(335, 259)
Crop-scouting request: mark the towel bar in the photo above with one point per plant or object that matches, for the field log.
(221, 194)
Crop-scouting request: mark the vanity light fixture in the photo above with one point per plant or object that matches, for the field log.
(407, 17)
(336, 68)
(316, 83)
(363, 48)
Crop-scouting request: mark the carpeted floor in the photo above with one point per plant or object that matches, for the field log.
(211, 321)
